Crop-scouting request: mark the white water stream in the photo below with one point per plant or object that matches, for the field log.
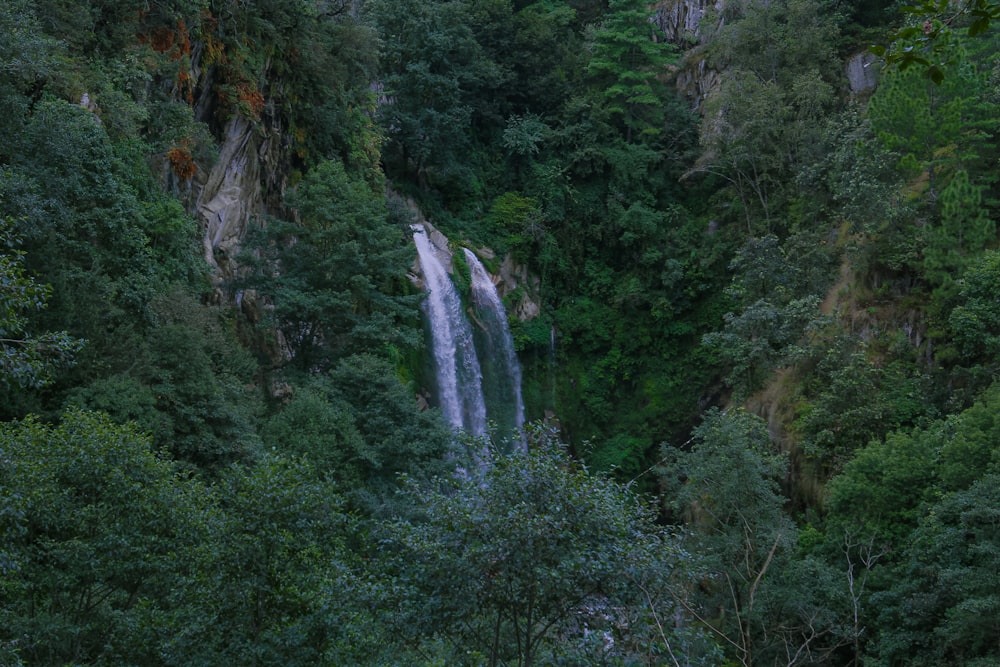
(500, 365)
(459, 376)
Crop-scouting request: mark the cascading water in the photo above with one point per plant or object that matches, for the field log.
(501, 370)
(458, 374)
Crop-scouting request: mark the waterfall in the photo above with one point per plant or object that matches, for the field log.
(459, 377)
(501, 370)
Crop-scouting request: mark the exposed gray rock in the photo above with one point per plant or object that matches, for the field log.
(680, 20)
(696, 81)
(511, 277)
(90, 105)
(682, 23)
(230, 196)
(862, 73)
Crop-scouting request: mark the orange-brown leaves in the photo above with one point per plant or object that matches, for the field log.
(182, 162)
(251, 100)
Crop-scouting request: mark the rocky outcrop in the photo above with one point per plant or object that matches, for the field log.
(512, 277)
(680, 20)
(230, 196)
(696, 80)
(245, 182)
(862, 74)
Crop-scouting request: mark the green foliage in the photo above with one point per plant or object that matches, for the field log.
(337, 277)
(964, 230)
(431, 62)
(773, 310)
(730, 474)
(943, 137)
(916, 499)
(94, 228)
(313, 426)
(517, 221)
(975, 320)
(98, 531)
(936, 130)
(186, 381)
(548, 129)
(943, 605)
(763, 123)
(778, 41)
(867, 190)
(522, 134)
(756, 596)
(26, 360)
(857, 401)
(544, 55)
(513, 567)
(111, 557)
(971, 451)
(68, 193)
(270, 586)
(882, 490)
(359, 426)
(626, 62)
(926, 40)
(27, 53)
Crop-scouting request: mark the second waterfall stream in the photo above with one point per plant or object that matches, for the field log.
(501, 369)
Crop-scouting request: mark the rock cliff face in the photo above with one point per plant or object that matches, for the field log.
(680, 20)
(697, 80)
(513, 276)
(862, 74)
(248, 178)
(230, 196)
(682, 24)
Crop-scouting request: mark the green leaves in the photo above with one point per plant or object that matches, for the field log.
(772, 311)
(941, 134)
(927, 42)
(109, 555)
(270, 583)
(941, 607)
(101, 528)
(755, 595)
(26, 360)
(963, 232)
(27, 52)
(431, 62)
(337, 278)
(976, 319)
(628, 62)
(509, 566)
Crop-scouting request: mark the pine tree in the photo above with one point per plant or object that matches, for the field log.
(965, 228)
(627, 64)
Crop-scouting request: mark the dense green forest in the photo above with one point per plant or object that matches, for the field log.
(758, 364)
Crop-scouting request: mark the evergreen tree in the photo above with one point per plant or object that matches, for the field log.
(26, 359)
(336, 277)
(762, 602)
(963, 232)
(629, 65)
(98, 532)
